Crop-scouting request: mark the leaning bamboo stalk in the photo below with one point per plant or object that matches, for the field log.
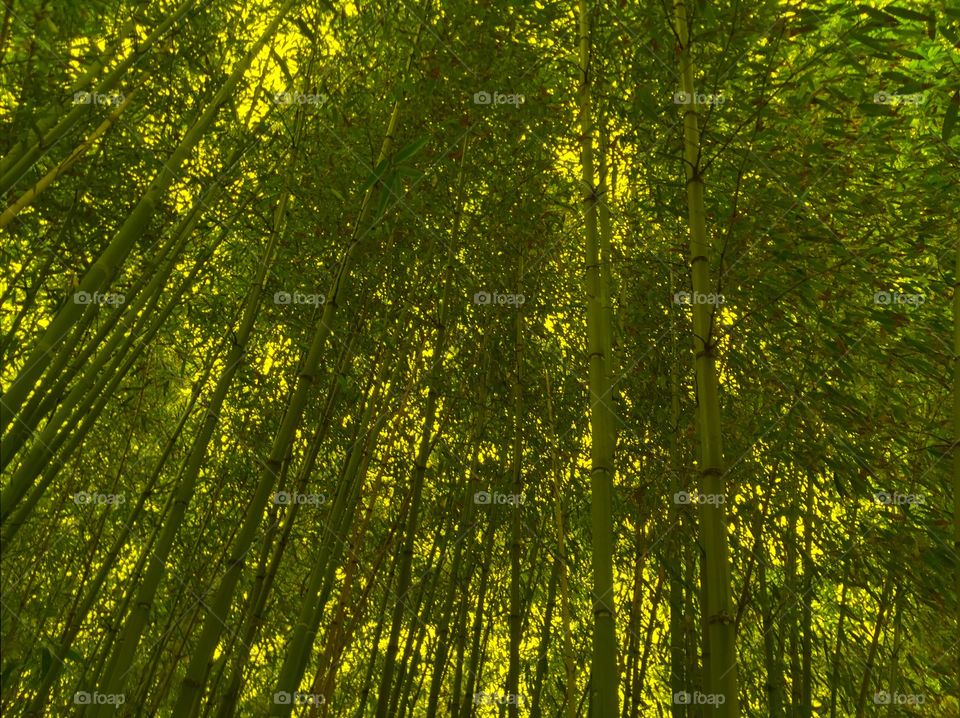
(136, 621)
(214, 621)
(51, 130)
(456, 704)
(422, 608)
(26, 199)
(80, 400)
(105, 268)
(320, 582)
(883, 607)
(343, 632)
(61, 446)
(94, 666)
(424, 450)
(53, 115)
(115, 336)
(460, 624)
(264, 580)
(83, 607)
(283, 440)
(457, 568)
(9, 340)
(367, 681)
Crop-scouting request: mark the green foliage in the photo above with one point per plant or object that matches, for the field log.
(381, 397)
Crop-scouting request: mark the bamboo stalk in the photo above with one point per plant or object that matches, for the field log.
(604, 686)
(720, 632)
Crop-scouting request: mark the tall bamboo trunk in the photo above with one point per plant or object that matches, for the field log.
(568, 658)
(718, 609)
(883, 606)
(605, 681)
(516, 526)
(678, 678)
(457, 570)
(956, 450)
(82, 607)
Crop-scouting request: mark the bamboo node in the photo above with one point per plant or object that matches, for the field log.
(722, 617)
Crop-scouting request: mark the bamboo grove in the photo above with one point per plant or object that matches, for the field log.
(433, 359)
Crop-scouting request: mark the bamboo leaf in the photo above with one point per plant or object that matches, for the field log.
(410, 150)
(950, 118)
(304, 28)
(907, 14)
(375, 175)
